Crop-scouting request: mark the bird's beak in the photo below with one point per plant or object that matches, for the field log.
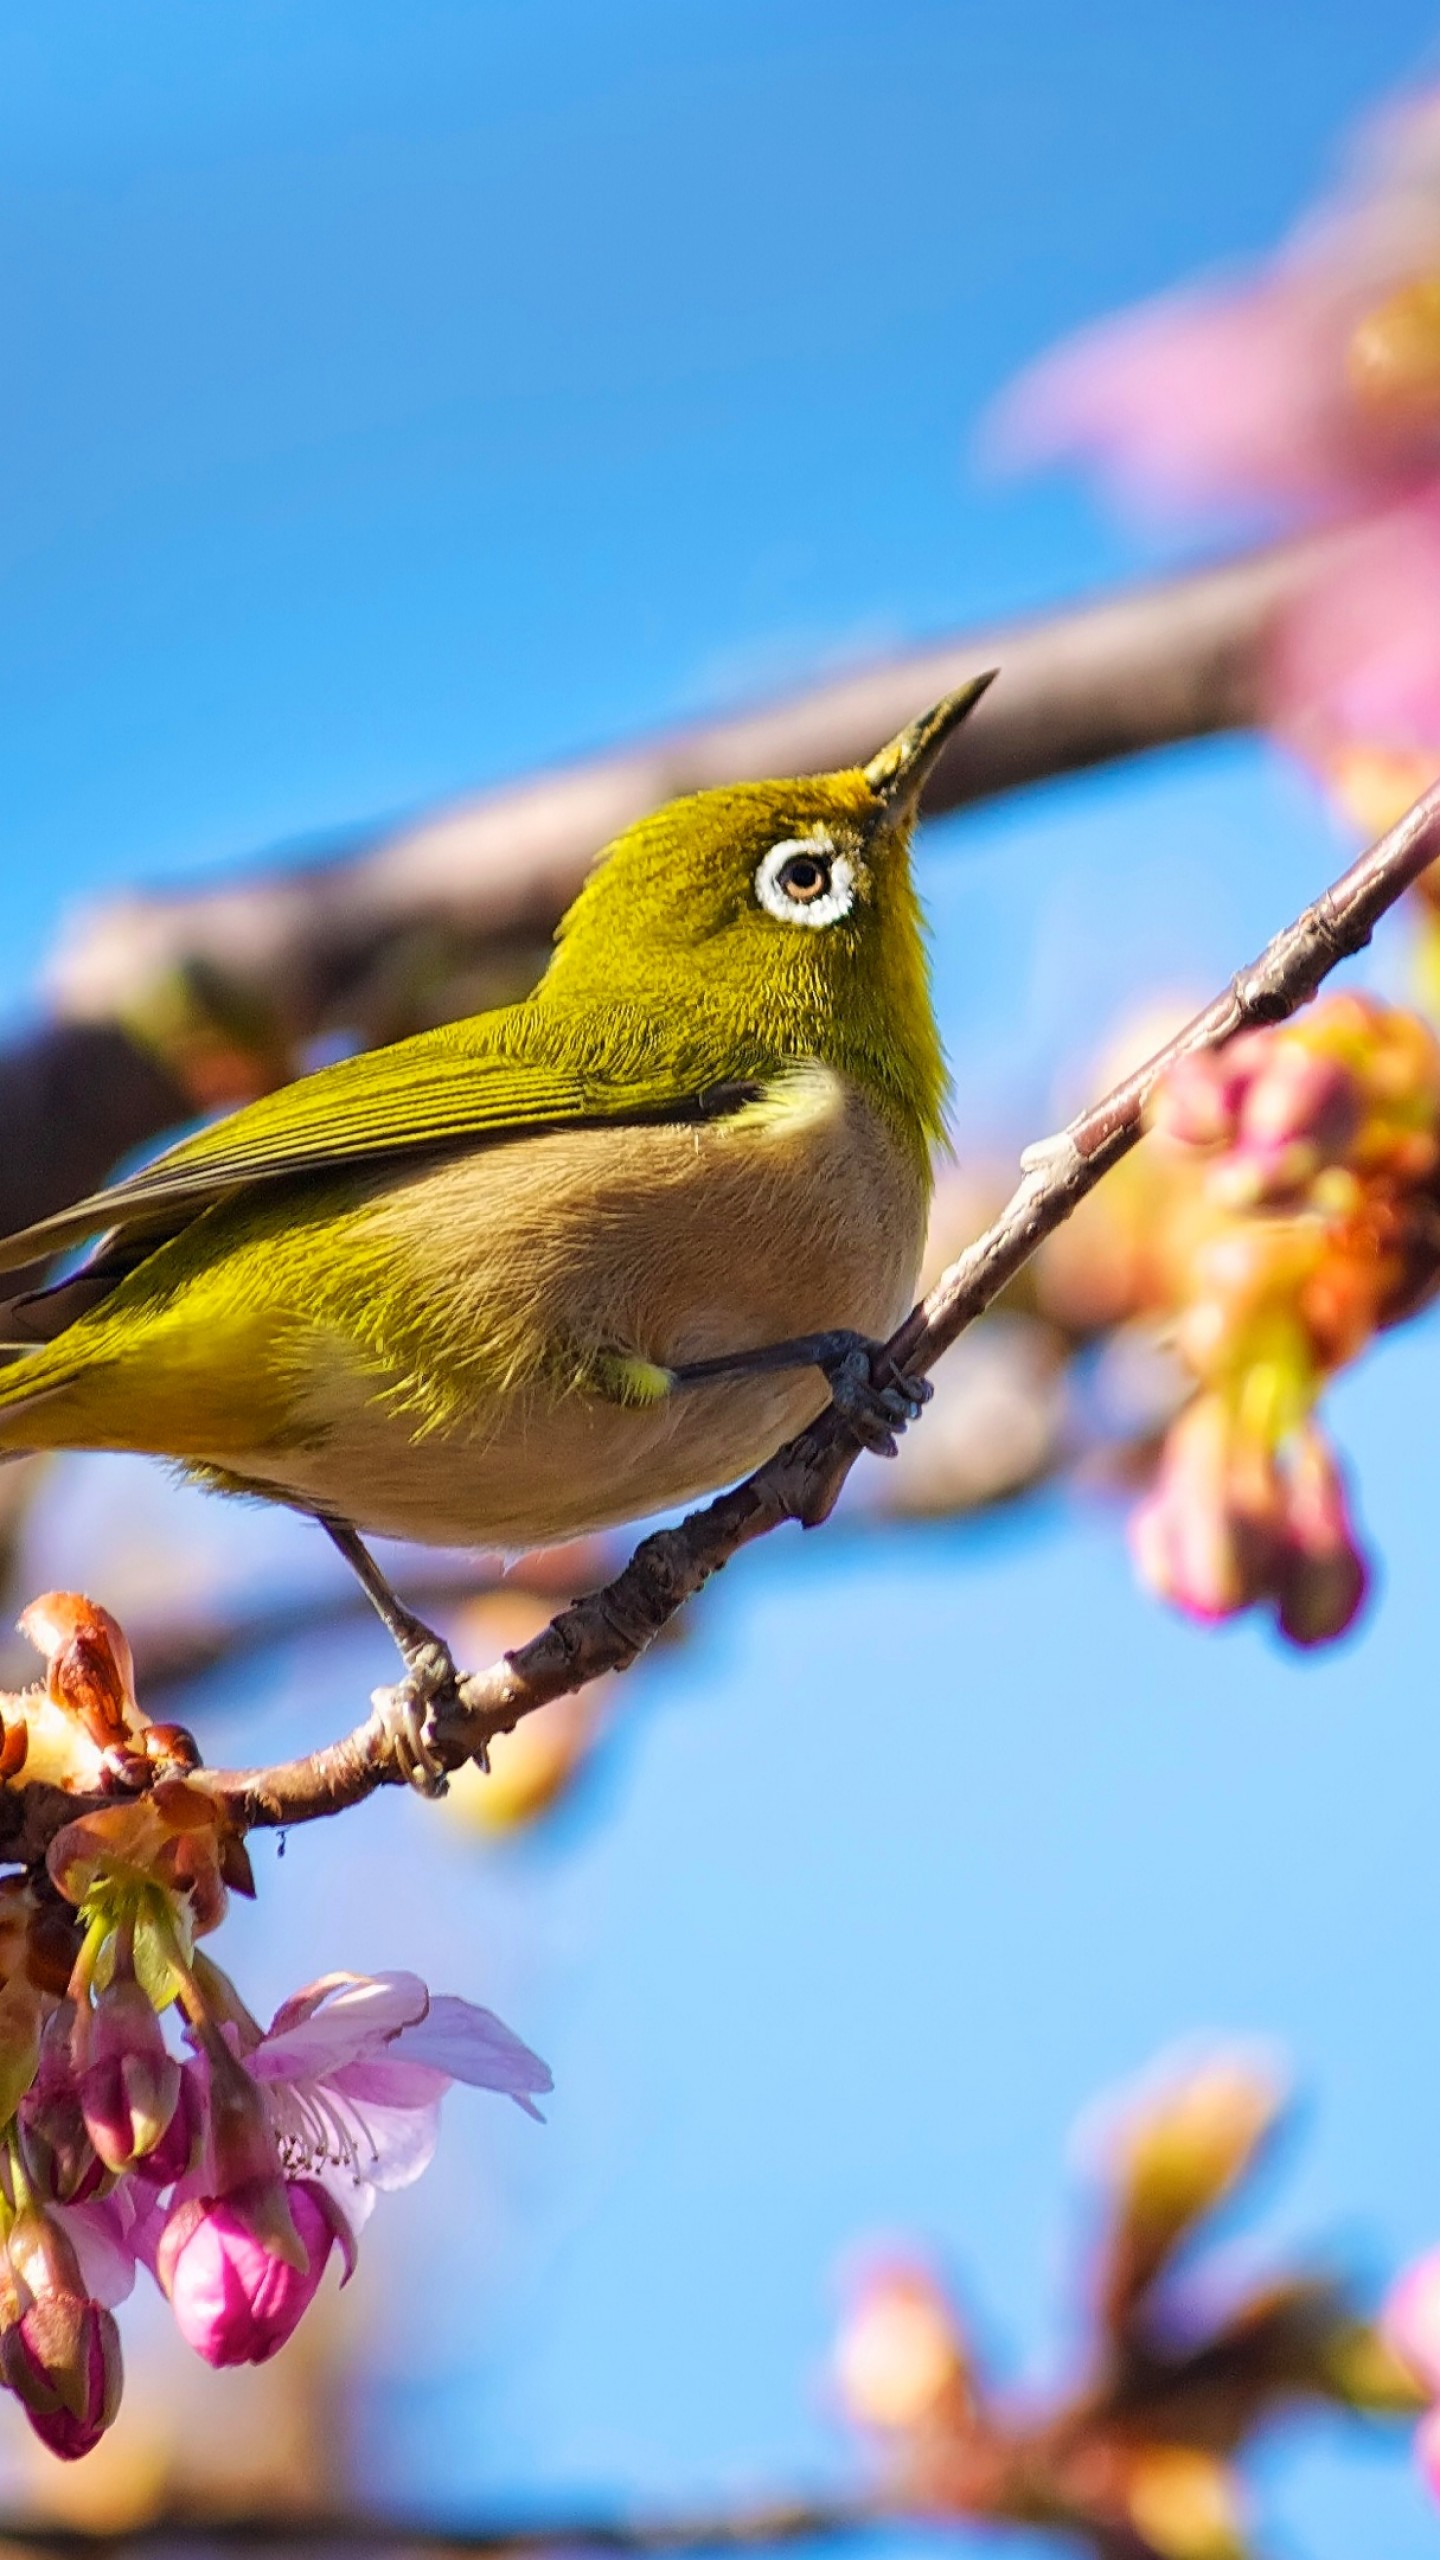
(898, 774)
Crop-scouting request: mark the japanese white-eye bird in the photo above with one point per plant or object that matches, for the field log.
(564, 1264)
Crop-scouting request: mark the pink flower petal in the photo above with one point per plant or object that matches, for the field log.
(394, 2145)
(102, 2234)
(351, 2203)
(353, 2017)
(1202, 399)
(389, 2084)
(473, 2045)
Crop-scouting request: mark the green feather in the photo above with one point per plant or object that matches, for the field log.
(498, 1076)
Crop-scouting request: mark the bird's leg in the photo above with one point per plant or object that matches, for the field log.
(430, 1674)
(875, 1397)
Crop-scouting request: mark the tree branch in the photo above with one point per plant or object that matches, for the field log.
(166, 999)
(735, 2529)
(606, 1631)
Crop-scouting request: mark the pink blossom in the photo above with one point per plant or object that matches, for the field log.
(1308, 386)
(235, 2299)
(1307, 390)
(1204, 400)
(354, 2068)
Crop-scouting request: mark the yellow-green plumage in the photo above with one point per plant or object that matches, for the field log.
(438, 1290)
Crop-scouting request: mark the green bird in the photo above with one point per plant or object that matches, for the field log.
(562, 1265)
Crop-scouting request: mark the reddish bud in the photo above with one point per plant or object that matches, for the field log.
(235, 2299)
(61, 2354)
(1323, 1576)
(89, 1669)
(60, 2158)
(128, 2082)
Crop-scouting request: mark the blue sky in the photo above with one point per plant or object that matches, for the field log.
(397, 398)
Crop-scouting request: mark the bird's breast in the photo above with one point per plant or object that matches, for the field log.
(469, 1414)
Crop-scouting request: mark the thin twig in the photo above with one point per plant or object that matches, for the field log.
(606, 1631)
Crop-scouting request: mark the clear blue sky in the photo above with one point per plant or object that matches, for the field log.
(397, 397)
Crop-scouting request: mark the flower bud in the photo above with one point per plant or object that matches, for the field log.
(179, 2148)
(1301, 1095)
(1185, 2504)
(61, 2354)
(235, 2299)
(1174, 2153)
(1322, 1577)
(900, 2359)
(1206, 1535)
(128, 2082)
(60, 2159)
(1198, 1100)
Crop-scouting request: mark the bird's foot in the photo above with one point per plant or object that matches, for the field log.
(874, 1397)
(412, 1711)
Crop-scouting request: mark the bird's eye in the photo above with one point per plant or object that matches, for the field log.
(805, 881)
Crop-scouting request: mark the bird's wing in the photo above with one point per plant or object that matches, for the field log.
(501, 1075)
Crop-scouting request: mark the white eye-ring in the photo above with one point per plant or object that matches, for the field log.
(805, 881)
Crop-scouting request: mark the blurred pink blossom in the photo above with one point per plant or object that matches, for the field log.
(1309, 386)
(1307, 391)
(1231, 1524)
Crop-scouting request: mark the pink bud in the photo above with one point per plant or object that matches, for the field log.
(1301, 1096)
(60, 2158)
(1204, 1536)
(1321, 1575)
(61, 2355)
(129, 2084)
(235, 2299)
(179, 2149)
(1199, 1098)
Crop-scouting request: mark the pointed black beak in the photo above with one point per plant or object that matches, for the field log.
(898, 774)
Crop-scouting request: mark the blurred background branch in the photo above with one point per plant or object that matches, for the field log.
(165, 1003)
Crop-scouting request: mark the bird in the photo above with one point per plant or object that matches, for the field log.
(566, 1264)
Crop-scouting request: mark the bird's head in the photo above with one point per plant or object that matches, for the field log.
(784, 911)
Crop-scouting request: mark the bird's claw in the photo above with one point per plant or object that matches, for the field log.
(874, 1397)
(409, 1714)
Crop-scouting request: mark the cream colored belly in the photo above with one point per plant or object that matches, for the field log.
(515, 1266)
